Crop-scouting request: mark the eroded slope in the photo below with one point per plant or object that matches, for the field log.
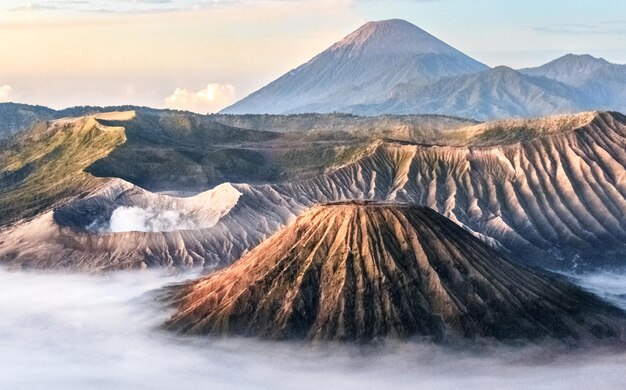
(362, 271)
(550, 192)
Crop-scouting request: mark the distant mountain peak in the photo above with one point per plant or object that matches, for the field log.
(391, 27)
(362, 68)
(570, 57)
(501, 72)
(572, 69)
(503, 69)
(393, 35)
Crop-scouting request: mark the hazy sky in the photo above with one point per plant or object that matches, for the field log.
(202, 55)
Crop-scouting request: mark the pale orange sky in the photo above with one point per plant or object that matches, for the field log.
(62, 60)
(203, 55)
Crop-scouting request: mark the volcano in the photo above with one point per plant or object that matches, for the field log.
(360, 271)
(362, 68)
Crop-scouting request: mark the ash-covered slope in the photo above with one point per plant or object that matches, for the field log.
(120, 226)
(361, 68)
(362, 271)
(551, 192)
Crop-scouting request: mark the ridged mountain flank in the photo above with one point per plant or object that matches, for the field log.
(362, 68)
(364, 270)
(573, 69)
(602, 83)
(551, 192)
(497, 93)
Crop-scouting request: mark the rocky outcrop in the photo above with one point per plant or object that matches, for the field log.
(362, 271)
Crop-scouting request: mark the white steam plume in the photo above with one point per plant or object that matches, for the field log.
(208, 100)
(137, 219)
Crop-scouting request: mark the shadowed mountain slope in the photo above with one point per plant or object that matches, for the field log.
(59, 159)
(493, 94)
(603, 83)
(361, 271)
(402, 127)
(15, 117)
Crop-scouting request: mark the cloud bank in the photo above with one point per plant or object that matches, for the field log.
(208, 100)
(5, 93)
(101, 332)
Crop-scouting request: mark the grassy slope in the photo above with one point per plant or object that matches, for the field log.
(182, 151)
(45, 165)
(160, 151)
(170, 151)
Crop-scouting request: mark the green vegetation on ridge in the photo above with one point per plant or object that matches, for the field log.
(47, 164)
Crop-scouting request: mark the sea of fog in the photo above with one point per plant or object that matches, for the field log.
(62, 331)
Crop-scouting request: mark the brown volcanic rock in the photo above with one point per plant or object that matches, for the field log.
(359, 271)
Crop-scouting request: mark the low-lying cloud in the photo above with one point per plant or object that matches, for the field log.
(137, 219)
(102, 332)
(5, 93)
(208, 100)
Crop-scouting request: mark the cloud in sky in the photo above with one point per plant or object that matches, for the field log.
(142, 57)
(5, 93)
(120, 7)
(129, 6)
(608, 27)
(151, 1)
(35, 7)
(140, 51)
(210, 99)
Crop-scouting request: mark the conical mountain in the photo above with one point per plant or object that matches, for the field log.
(361, 271)
(361, 68)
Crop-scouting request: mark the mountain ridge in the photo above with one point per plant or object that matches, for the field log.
(603, 83)
(497, 93)
(394, 67)
(571, 69)
(549, 191)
